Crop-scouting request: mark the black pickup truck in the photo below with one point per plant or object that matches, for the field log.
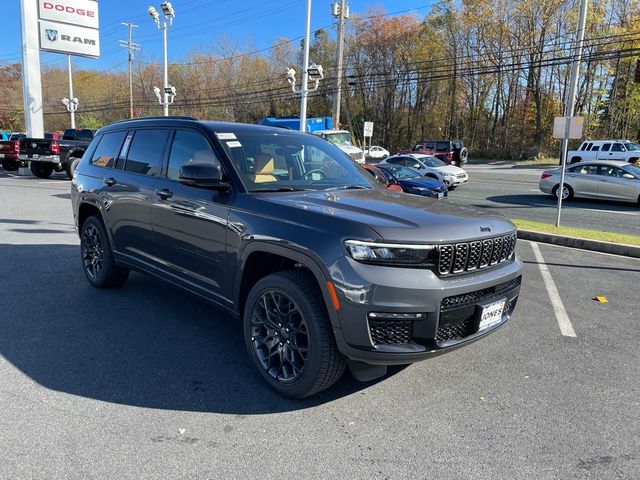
(48, 155)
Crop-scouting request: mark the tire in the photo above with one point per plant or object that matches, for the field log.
(265, 336)
(10, 165)
(568, 192)
(96, 256)
(575, 160)
(72, 164)
(634, 161)
(41, 170)
(463, 155)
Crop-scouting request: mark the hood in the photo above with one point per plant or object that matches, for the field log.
(348, 149)
(451, 169)
(395, 216)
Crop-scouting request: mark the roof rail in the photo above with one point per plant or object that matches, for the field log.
(173, 117)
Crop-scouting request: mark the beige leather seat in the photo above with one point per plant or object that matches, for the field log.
(263, 169)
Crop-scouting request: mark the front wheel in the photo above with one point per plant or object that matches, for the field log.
(41, 169)
(288, 335)
(97, 258)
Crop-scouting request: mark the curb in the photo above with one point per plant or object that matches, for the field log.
(593, 245)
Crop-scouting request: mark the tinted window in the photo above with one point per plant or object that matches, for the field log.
(606, 147)
(595, 148)
(81, 134)
(188, 147)
(394, 161)
(108, 149)
(145, 152)
(617, 147)
(443, 146)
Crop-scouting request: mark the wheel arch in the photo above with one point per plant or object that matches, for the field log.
(260, 259)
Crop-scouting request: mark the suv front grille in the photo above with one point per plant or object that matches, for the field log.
(466, 257)
(455, 331)
(390, 332)
(471, 298)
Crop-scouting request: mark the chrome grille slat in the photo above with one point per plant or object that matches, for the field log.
(476, 255)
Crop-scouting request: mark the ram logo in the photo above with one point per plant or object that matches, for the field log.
(52, 35)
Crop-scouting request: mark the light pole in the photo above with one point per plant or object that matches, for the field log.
(168, 92)
(341, 11)
(305, 74)
(313, 72)
(72, 102)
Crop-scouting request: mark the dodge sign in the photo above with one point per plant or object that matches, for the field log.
(70, 39)
(83, 13)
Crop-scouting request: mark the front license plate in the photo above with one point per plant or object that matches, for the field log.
(491, 314)
(440, 194)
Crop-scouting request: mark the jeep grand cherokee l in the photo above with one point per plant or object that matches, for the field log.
(324, 267)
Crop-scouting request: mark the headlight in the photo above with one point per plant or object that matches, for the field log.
(391, 253)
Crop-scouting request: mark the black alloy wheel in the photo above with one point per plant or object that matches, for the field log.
(288, 334)
(279, 335)
(41, 169)
(97, 258)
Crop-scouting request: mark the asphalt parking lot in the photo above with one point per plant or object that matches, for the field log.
(149, 382)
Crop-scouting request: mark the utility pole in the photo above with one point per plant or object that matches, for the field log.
(571, 98)
(341, 11)
(132, 47)
(305, 75)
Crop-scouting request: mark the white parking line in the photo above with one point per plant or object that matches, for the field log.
(558, 307)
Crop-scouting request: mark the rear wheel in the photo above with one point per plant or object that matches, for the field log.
(97, 258)
(72, 164)
(10, 165)
(575, 159)
(41, 169)
(567, 192)
(288, 335)
(463, 155)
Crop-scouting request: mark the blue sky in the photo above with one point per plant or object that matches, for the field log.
(197, 24)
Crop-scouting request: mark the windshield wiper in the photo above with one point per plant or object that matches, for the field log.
(280, 189)
(348, 187)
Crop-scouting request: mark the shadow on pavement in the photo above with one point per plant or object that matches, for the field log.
(146, 344)
(588, 267)
(545, 200)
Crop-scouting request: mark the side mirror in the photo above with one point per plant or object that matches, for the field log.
(203, 175)
(629, 176)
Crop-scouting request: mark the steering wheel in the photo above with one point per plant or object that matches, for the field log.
(316, 170)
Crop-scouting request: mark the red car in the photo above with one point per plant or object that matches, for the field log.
(382, 178)
(452, 152)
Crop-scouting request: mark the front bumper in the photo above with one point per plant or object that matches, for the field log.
(433, 315)
(40, 158)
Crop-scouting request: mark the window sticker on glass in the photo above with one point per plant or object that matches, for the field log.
(234, 144)
(226, 136)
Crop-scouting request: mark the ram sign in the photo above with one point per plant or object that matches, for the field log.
(83, 13)
(69, 39)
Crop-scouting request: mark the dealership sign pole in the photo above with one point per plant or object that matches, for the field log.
(31, 86)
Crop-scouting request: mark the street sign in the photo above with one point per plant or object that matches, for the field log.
(83, 13)
(575, 127)
(368, 129)
(69, 39)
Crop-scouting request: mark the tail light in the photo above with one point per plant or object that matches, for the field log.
(16, 146)
(545, 175)
(55, 147)
(395, 187)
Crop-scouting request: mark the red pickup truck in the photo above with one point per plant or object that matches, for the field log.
(452, 152)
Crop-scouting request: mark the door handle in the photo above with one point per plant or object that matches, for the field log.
(110, 181)
(164, 193)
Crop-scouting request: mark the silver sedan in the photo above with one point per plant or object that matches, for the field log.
(610, 180)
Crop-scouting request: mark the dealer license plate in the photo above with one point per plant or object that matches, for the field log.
(440, 194)
(491, 314)
(1, 155)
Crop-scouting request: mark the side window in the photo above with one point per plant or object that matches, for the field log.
(611, 171)
(617, 147)
(107, 150)
(595, 148)
(145, 152)
(583, 146)
(394, 161)
(188, 147)
(606, 147)
(587, 170)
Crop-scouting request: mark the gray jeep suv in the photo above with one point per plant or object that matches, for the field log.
(324, 267)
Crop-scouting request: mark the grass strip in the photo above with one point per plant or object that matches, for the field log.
(577, 232)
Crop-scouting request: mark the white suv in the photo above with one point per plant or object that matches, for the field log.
(342, 140)
(590, 150)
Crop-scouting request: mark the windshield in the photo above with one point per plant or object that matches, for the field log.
(340, 138)
(632, 147)
(288, 161)
(17, 136)
(432, 162)
(401, 173)
(633, 169)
